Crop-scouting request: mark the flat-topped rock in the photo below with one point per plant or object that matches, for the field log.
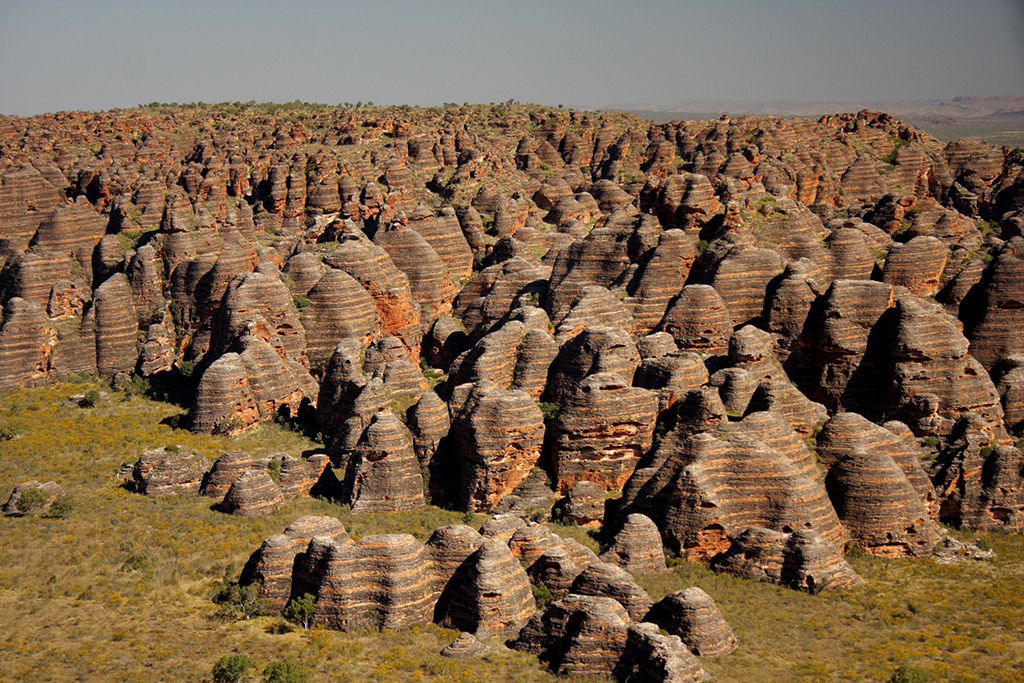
(168, 471)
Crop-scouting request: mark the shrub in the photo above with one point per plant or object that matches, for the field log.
(90, 399)
(61, 508)
(302, 302)
(852, 549)
(232, 668)
(10, 431)
(909, 674)
(241, 600)
(541, 594)
(31, 501)
(285, 671)
(300, 610)
(549, 410)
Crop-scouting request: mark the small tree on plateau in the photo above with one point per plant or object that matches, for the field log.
(300, 610)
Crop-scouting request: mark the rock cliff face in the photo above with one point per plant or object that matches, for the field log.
(499, 434)
(602, 431)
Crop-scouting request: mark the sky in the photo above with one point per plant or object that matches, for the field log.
(62, 55)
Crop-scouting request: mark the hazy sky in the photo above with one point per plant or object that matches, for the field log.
(102, 54)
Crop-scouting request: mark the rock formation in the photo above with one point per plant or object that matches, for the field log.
(693, 615)
(490, 594)
(637, 546)
(252, 494)
(383, 474)
(601, 432)
(169, 470)
(499, 435)
(802, 559)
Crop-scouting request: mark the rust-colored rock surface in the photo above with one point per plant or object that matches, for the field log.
(499, 434)
(601, 432)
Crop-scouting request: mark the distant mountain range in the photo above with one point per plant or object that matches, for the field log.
(956, 109)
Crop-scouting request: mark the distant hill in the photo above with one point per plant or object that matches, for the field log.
(997, 119)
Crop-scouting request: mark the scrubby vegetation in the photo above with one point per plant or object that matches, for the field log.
(121, 587)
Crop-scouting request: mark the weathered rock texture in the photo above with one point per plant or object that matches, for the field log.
(489, 595)
(709, 490)
(602, 431)
(50, 491)
(499, 434)
(693, 615)
(802, 559)
(383, 474)
(253, 494)
(637, 546)
(167, 471)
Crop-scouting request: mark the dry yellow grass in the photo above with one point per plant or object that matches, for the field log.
(120, 591)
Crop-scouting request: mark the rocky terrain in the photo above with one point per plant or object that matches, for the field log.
(755, 342)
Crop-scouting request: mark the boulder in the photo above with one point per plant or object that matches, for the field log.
(253, 494)
(169, 470)
(709, 490)
(693, 615)
(637, 546)
(50, 490)
(466, 646)
(594, 350)
(698, 319)
(651, 657)
(579, 634)
(381, 581)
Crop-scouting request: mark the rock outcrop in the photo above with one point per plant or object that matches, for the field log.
(253, 494)
(489, 595)
(383, 474)
(499, 434)
(169, 470)
(602, 431)
(637, 547)
(693, 615)
(802, 560)
(708, 491)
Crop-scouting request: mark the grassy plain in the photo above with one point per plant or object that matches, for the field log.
(120, 590)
